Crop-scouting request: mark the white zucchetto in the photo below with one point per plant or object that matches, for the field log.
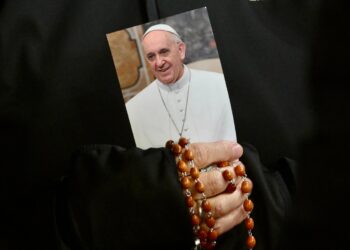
(163, 27)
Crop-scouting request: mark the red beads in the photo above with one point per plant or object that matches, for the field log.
(195, 219)
(189, 178)
(188, 155)
(169, 144)
(189, 201)
(182, 166)
(206, 206)
(240, 170)
(202, 218)
(210, 221)
(183, 141)
(249, 223)
(194, 172)
(228, 175)
(202, 234)
(231, 187)
(251, 242)
(246, 187)
(199, 187)
(177, 149)
(222, 164)
(212, 235)
(248, 205)
(185, 182)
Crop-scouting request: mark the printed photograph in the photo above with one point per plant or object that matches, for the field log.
(172, 82)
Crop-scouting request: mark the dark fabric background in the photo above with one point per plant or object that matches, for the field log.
(321, 215)
(58, 90)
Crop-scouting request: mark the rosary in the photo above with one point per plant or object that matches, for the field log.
(202, 219)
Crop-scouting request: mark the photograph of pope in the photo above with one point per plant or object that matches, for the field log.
(180, 101)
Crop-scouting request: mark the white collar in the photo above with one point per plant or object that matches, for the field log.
(179, 84)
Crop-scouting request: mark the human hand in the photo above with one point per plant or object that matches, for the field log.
(227, 208)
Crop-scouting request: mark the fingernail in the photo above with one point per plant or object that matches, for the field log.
(237, 149)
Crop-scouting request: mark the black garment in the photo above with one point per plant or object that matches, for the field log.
(123, 199)
(59, 91)
(321, 219)
(131, 199)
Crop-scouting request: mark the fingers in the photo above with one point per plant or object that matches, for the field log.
(226, 203)
(208, 153)
(220, 191)
(214, 181)
(230, 220)
(228, 209)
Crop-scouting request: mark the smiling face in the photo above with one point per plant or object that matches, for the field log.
(165, 54)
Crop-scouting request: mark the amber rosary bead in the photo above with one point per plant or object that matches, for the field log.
(251, 242)
(203, 223)
(231, 187)
(248, 205)
(206, 206)
(169, 144)
(195, 219)
(249, 223)
(185, 182)
(212, 235)
(222, 164)
(246, 187)
(194, 172)
(202, 234)
(177, 149)
(189, 201)
(183, 141)
(240, 170)
(188, 155)
(199, 187)
(182, 166)
(228, 175)
(210, 221)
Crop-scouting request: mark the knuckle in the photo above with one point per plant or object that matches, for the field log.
(201, 154)
(212, 184)
(218, 210)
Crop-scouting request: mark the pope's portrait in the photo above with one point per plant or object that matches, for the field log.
(181, 100)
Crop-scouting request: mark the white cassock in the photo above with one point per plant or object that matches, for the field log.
(208, 117)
